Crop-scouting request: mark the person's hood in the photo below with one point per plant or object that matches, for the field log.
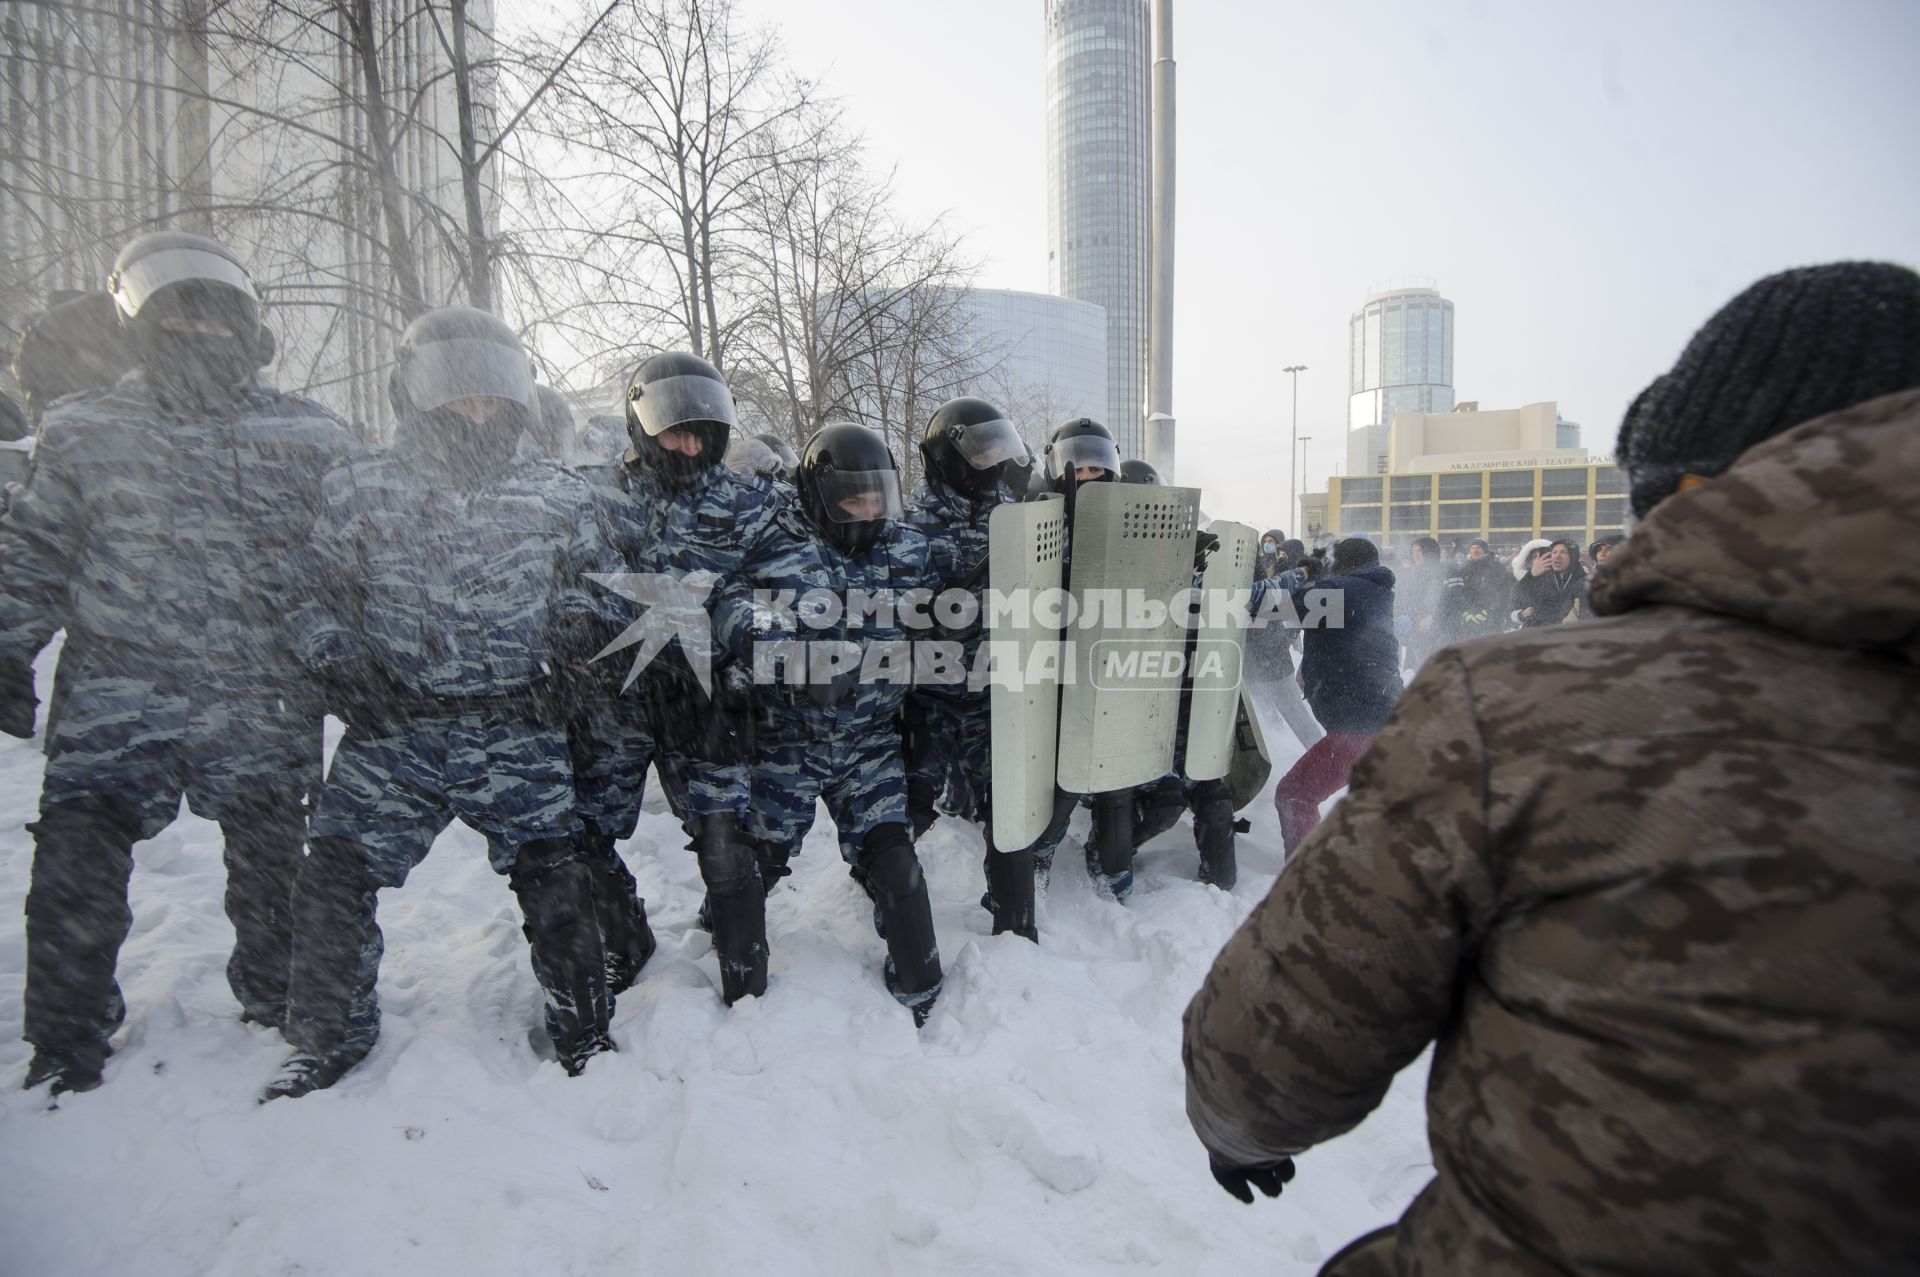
(1520, 557)
(1806, 533)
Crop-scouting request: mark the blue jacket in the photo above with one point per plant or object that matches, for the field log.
(1351, 673)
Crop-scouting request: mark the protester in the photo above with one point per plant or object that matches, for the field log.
(1351, 676)
(1657, 924)
(1551, 593)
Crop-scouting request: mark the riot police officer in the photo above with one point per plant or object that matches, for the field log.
(154, 529)
(828, 729)
(675, 512)
(975, 462)
(450, 603)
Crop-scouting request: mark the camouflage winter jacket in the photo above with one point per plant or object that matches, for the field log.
(167, 536)
(454, 593)
(1651, 885)
(956, 532)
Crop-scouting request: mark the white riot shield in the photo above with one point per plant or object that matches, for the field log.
(1225, 592)
(1025, 546)
(1251, 768)
(1132, 552)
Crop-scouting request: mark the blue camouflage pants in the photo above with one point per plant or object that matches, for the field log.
(124, 745)
(857, 769)
(612, 748)
(390, 793)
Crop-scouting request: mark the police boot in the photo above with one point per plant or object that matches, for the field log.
(65, 1071)
(333, 1013)
(737, 903)
(893, 874)
(1157, 808)
(1110, 845)
(620, 911)
(920, 806)
(1009, 895)
(1213, 831)
(556, 895)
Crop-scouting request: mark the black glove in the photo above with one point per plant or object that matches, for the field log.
(1204, 544)
(17, 699)
(1268, 1177)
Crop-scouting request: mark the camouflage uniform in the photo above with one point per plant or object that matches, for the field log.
(951, 734)
(1648, 885)
(723, 525)
(453, 596)
(159, 540)
(847, 754)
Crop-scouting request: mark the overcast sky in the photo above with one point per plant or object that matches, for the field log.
(1586, 182)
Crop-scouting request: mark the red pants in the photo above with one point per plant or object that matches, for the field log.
(1320, 773)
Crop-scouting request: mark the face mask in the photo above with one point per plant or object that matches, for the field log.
(199, 369)
(474, 455)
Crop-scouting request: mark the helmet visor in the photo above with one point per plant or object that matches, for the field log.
(134, 285)
(439, 372)
(661, 405)
(1065, 456)
(859, 496)
(986, 444)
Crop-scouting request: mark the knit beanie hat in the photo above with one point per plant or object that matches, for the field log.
(1794, 346)
(1354, 552)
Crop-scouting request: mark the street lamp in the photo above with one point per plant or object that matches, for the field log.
(1300, 515)
(1293, 471)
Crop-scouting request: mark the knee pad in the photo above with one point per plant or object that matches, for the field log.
(535, 860)
(727, 861)
(888, 862)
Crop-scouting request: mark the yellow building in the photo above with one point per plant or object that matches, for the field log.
(1503, 505)
(1505, 476)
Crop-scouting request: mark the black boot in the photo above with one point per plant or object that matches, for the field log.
(1157, 808)
(737, 904)
(622, 914)
(1110, 849)
(1213, 832)
(569, 960)
(65, 1071)
(892, 873)
(302, 1073)
(920, 808)
(1010, 892)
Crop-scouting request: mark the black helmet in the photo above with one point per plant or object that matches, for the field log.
(1139, 472)
(77, 344)
(153, 263)
(168, 276)
(849, 484)
(458, 352)
(970, 447)
(684, 392)
(1080, 442)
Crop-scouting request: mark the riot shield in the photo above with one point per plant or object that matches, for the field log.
(1225, 592)
(1251, 768)
(1132, 554)
(1025, 546)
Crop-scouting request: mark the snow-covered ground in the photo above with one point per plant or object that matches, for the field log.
(1034, 1125)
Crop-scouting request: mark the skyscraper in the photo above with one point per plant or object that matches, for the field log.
(1099, 185)
(1400, 360)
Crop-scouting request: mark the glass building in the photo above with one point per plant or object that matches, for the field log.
(1506, 507)
(1400, 359)
(1043, 359)
(1099, 168)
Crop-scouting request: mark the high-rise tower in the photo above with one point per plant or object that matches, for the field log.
(1400, 360)
(1099, 146)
